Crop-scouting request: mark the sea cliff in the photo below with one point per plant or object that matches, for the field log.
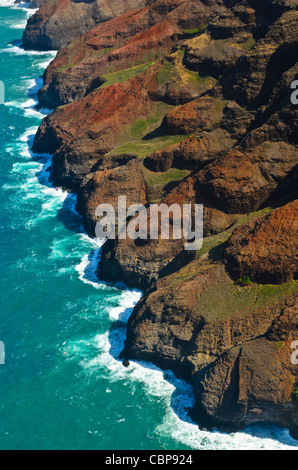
(184, 101)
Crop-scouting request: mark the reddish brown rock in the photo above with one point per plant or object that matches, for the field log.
(81, 133)
(70, 83)
(195, 315)
(192, 153)
(56, 24)
(104, 187)
(187, 192)
(241, 181)
(197, 114)
(266, 250)
(137, 37)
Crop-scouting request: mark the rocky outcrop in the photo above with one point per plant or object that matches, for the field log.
(253, 382)
(233, 343)
(133, 38)
(57, 23)
(199, 327)
(266, 250)
(137, 263)
(63, 80)
(79, 143)
(192, 153)
(104, 187)
(215, 57)
(262, 67)
(197, 114)
(242, 181)
(140, 263)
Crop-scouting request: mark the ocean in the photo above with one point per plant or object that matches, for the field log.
(62, 385)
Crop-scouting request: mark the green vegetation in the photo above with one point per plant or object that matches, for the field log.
(52, 3)
(177, 76)
(213, 245)
(189, 272)
(167, 72)
(103, 51)
(141, 126)
(225, 298)
(141, 148)
(190, 33)
(173, 174)
(244, 281)
(65, 67)
(247, 46)
(144, 136)
(280, 345)
(123, 75)
(205, 79)
(90, 53)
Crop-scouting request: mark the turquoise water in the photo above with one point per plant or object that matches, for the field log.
(62, 386)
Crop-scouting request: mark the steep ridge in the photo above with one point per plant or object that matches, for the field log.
(190, 102)
(58, 22)
(130, 40)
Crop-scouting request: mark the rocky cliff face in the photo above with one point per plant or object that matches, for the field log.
(231, 340)
(184, 101)
(58, 22)
(252, 382)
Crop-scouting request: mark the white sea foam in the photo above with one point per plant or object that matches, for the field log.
(34, 85)
(29, 108)
(127, 302)
(177, 397)
(43, 65)
(88, 265)
(19, 50)
(31, 174)
(21, 104)
(27, 137)
(21, 25)
(13, 25)
(34, 172)
(7, 3)
(24, 6)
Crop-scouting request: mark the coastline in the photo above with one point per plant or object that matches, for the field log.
(86, 274)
